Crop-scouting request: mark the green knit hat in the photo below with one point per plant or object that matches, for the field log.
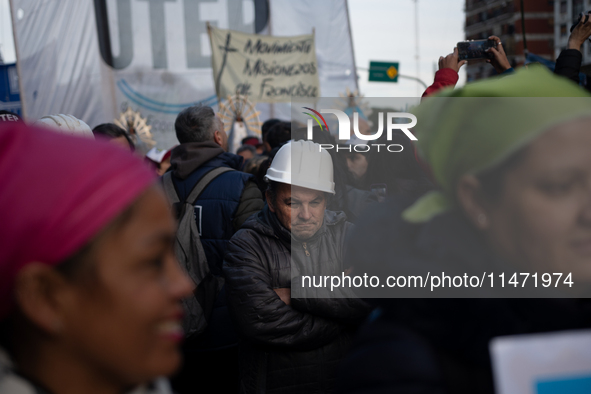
(472, 129)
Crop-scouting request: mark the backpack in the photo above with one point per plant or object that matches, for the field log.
(191, 256)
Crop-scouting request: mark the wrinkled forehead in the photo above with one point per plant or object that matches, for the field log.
(299, 193)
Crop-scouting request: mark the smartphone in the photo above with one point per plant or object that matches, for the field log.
(475, 49)
(583, 18)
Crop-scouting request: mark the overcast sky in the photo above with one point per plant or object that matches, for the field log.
(382, 30)
(385, 30)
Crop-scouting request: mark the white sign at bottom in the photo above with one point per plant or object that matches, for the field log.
(549, 363)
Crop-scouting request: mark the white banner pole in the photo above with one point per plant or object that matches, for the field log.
(354, 71)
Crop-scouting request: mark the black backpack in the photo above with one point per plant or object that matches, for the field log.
(191, 256)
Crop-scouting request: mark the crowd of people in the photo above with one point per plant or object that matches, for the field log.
(174, 271)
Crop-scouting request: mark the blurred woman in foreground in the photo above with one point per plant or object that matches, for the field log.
(89, 287)
(512, 158)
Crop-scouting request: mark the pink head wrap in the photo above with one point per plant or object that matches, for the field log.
(57, 192)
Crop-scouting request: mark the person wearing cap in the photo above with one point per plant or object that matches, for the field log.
(254, 141)
(66, 124)
(512, 159)
(290, 345)
(90, 289)
(159, 158)
(7, 116)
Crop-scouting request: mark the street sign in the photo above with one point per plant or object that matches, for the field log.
(383, 71)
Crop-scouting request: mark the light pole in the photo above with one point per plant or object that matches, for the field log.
(417, 57)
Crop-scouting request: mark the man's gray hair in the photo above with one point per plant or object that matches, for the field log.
(196, 124)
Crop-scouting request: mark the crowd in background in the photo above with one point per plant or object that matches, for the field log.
(91, 287)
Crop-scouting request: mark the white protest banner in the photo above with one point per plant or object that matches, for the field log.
(96, 58)
(265, 68)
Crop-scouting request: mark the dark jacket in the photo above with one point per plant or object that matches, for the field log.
(568, 64)
(287, 348)
(227, 201)
(352, 201)
(220, 210)
(437, 346)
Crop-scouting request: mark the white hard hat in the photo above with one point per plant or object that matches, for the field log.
(66, 124)
(302, 163)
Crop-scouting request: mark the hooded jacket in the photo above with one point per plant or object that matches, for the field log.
(225, 203)
(568, 64)
(220, 210)
(287, 348)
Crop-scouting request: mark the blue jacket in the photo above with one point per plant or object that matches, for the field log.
(218, 204)
(220, 210)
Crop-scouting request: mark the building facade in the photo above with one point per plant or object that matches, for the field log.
(502, 18)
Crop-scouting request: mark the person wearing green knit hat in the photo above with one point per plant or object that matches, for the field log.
(500, 150)
(512, 159)
(470, 130)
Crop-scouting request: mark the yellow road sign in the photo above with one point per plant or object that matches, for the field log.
(392, 72)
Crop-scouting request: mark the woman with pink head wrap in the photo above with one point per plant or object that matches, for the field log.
(89, 286)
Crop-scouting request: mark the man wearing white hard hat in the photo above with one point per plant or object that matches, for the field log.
(285, 346)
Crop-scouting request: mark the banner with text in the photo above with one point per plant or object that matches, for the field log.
(265, 68)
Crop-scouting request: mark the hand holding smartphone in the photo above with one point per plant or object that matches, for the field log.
(476, 49)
